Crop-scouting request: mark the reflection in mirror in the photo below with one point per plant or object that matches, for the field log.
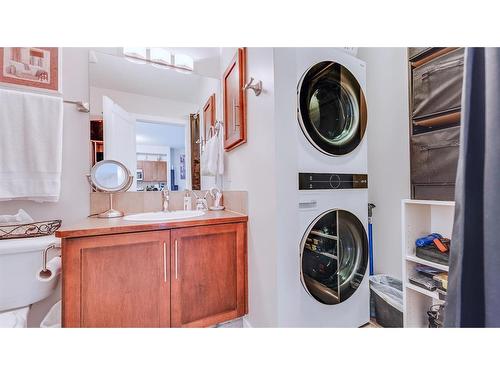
(110, 176)
(150, 117)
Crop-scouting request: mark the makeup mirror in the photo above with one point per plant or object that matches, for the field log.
(110, 176)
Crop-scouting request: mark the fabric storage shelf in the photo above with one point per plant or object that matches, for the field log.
(437, 192)
(434, 160)
(416, 52)
(435, 89)
(437, 85)
(419, 218)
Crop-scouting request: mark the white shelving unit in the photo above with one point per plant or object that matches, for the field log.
(420, 218)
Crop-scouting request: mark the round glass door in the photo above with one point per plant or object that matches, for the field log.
(334, 255)
(331, 108)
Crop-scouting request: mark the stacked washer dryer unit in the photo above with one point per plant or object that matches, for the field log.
(332, 183)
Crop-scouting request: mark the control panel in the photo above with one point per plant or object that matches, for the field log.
(330, 181)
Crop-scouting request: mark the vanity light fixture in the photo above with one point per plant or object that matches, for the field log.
(183, 63)
(138, 55)
(159, 58)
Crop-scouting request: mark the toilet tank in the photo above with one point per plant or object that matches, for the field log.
(20, 264)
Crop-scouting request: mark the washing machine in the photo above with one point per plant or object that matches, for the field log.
(333, 250)
(331, 111)
(330, 273)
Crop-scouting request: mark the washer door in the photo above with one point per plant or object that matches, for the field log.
(331, 108)
(334, 256)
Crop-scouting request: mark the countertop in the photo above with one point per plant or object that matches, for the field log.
(96, 227)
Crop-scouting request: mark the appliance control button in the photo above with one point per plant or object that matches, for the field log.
(334, 181)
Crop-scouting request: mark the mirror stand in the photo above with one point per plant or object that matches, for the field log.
(111, 213)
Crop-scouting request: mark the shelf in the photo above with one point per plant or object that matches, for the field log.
(322, 253)
(418, 219)
(415, 259)
(329, 236)
(428, 202)
(428, 293)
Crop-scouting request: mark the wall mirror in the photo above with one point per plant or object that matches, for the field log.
(151, 109)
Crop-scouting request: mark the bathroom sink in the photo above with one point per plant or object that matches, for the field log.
(163, 216)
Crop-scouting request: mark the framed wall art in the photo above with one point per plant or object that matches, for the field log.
(234, 101)
(33, 67)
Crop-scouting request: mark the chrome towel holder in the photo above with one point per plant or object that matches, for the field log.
(46, 273)
(81, 106)
(256, 87)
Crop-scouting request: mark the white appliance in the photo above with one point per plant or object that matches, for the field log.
(331, 111)
(20, 282)
(333, 251)
(323, 274)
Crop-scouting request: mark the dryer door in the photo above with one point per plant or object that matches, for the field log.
(334, 256)
(331, 108)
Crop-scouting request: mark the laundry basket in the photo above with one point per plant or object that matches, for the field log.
(387, 294)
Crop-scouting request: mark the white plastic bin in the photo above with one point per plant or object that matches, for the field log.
(387, 293)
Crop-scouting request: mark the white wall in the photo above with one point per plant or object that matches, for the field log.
(73, 204)
(170, 110)
(251, 167)
(388, 151)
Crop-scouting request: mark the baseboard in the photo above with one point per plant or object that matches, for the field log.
(246, 323)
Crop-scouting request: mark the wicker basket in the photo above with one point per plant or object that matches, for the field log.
(37, 229)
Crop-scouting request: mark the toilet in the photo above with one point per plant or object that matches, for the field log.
(21, 261)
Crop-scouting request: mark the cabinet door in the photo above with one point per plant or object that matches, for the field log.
(208, 275)
(117, 281)
(161, 173)
(150, 170)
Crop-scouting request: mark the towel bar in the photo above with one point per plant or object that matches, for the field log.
(80, 105)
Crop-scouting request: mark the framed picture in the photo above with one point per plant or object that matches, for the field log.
(182, 166)
(34, 67)
(234, 101)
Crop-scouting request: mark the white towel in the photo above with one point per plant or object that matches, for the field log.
(212, 159)
(31, 128)
(21, 217)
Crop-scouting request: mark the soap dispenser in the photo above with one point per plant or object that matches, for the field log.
(188, 204)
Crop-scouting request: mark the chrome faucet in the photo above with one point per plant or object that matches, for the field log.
(165, 199)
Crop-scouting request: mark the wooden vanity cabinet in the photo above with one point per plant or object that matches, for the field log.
(187, 277)
(119, 280)
(208, 277)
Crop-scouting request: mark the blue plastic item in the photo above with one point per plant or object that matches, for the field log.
(371, 206)
(427, 240)
(370, 245)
